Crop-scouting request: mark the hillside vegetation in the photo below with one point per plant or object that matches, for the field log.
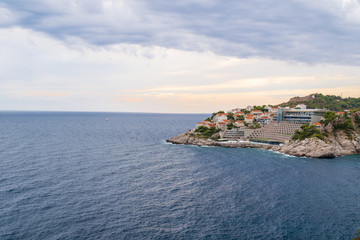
(330, 102)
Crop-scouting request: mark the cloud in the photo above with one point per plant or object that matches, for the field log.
(324, 31)
(43, 73)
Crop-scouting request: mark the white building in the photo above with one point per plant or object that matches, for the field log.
(239, 123)
(203, 123)
(220, 117)
(256, 112)
(301, 106)
(273, 110)
(221, 125)
(249, 119)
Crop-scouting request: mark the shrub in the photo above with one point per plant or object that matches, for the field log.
(308, 132)
(206, 132)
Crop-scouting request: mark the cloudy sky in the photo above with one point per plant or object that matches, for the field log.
(175, 56)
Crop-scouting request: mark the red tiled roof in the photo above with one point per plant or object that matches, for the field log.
(317, 124)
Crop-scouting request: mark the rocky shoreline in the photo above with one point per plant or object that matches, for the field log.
(311, 147)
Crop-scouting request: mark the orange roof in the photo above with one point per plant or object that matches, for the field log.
(317, 124)
(249, 117)
(226, 120)
(239, 121)
(264, 117)
(221, 123)
(340, 113)
(212, 125)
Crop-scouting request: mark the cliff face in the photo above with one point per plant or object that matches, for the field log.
(316, 148)
(191, 139)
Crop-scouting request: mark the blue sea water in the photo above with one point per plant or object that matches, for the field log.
(78, 176)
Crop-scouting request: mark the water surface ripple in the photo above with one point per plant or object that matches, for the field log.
(78, 176)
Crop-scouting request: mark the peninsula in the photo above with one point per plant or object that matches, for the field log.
(329, 128)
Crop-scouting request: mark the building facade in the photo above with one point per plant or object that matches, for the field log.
(300, 115)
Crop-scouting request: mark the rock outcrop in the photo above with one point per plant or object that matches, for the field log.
(316, 148)
(191, 139)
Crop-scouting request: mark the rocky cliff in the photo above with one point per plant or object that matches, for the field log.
(316, 148)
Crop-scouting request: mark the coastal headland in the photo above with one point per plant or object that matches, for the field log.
(290, 128)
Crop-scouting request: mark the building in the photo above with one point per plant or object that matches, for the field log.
(238, 114)
(237, 133)
(249, 119)
(263, 120)
(221, 125)
(301, 106)
(239, 123)
(220, 117)
(300, 115)
(204, 124)
(256, 112)
(273, 110)
(249, 108)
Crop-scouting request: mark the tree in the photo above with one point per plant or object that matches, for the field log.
(240, 117)
(230, 116)
(230, 126)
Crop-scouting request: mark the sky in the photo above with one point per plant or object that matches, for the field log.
(189, 56)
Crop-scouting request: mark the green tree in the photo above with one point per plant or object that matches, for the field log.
(240, 117)
(230, 116)
(229, 126)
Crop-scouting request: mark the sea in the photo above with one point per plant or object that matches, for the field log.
(83, 175)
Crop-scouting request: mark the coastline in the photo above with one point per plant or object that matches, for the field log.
(312, 147)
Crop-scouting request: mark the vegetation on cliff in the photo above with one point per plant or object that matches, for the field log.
(345, 123)
(330, 102)
(308, 132)
(206, 132)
